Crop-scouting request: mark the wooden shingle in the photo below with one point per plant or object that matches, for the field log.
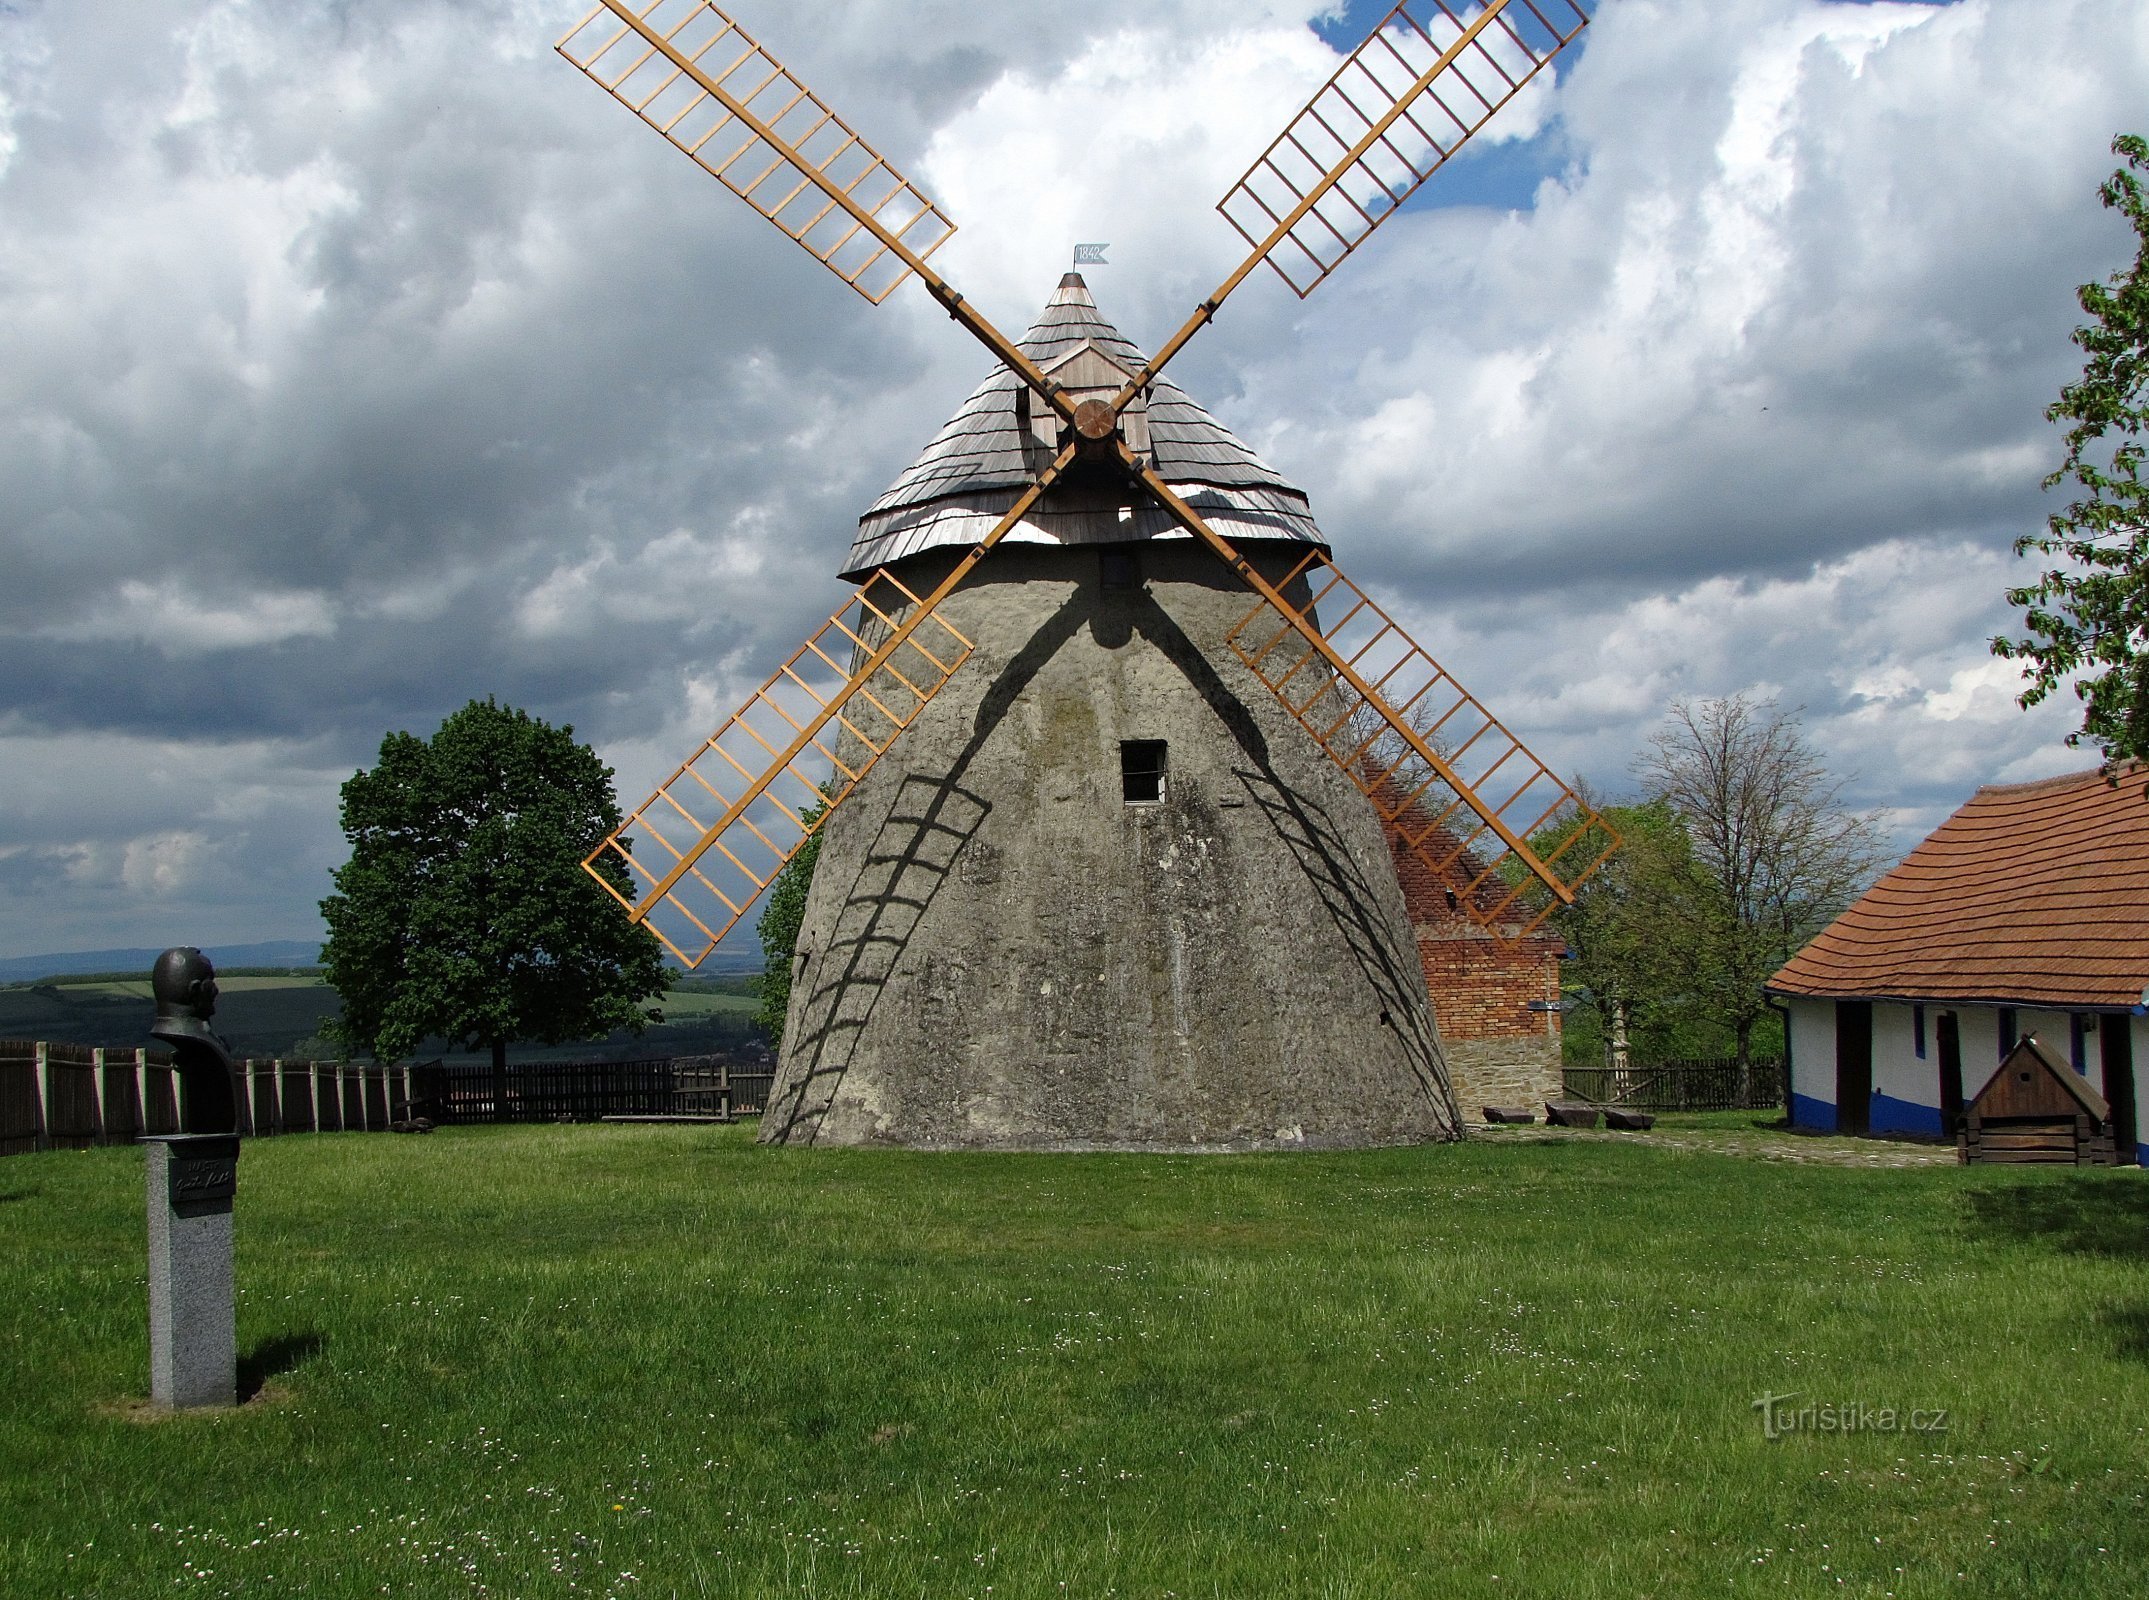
(987, 453)
(2032, 894)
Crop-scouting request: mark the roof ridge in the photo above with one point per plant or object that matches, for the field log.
(2064, 780)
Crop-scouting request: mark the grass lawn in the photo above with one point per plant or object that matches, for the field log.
(661, 1361)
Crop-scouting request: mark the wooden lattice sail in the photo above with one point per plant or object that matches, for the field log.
(1466, 796)
(719, 829)
(703, 82)
(1405, 101)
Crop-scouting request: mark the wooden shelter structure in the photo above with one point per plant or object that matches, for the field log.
(2036, 1108)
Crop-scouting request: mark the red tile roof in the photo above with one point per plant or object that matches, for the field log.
(2031, 894)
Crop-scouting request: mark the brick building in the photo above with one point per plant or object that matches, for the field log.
(1496, 1001)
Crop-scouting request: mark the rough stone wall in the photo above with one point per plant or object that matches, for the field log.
(1504, 1072)
(999, 951)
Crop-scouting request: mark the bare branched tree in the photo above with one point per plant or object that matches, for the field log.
(1381, 749)
(1779, 856)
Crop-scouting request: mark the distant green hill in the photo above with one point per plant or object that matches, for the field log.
(278, 1014)
(75, 963)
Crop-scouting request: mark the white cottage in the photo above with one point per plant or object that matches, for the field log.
(2026, 912)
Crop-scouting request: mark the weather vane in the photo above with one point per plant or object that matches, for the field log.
(1091, 255)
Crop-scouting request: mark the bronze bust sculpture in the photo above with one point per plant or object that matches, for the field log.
(184, 983)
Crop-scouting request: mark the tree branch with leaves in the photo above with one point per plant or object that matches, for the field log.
(2087, 615)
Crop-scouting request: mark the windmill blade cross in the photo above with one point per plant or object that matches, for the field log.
(1367, 141)
(1361, 147)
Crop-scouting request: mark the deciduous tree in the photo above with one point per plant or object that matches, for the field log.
(1635, 940)
(464, 913)
(2087, 616)
(1777, 855)
(782, 915)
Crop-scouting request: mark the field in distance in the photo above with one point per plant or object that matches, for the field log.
(265, 1012)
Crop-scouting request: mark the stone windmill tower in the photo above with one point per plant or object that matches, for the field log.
(1106, 740)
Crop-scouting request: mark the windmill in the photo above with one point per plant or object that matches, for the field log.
(1102, 746)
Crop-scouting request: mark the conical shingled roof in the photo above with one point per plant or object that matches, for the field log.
(965, 480)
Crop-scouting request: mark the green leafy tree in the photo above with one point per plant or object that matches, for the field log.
(2087, 616)
(782, 915)
(464, 913)
(1635, 931)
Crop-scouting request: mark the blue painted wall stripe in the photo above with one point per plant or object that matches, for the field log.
(1891, 1115)
(1809, 1112)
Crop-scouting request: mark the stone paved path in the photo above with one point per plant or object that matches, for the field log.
(1758, 1144)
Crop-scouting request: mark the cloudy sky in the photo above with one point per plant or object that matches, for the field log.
(359, 357)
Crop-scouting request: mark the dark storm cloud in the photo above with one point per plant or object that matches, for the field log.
(359, 358)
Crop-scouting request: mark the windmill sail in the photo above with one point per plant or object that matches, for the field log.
(719, 829)
(701, 80)
(1462, 793)
(1412, 739)
(1431, 75)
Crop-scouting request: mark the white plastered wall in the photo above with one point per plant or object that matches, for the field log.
(1813, 1053)
(1898, 1072)
(1901, 1075)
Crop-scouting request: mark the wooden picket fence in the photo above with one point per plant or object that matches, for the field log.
(72, 1097)
(585, 1091)
(1719, 1084)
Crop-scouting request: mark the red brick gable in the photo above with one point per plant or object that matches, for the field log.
(1481, 987)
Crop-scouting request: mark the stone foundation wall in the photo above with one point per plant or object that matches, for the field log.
(1503, 1072)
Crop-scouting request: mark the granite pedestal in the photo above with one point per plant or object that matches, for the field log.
(193, 1343)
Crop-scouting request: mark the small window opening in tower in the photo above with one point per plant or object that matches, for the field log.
(1141, 771)
(1116, 565)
